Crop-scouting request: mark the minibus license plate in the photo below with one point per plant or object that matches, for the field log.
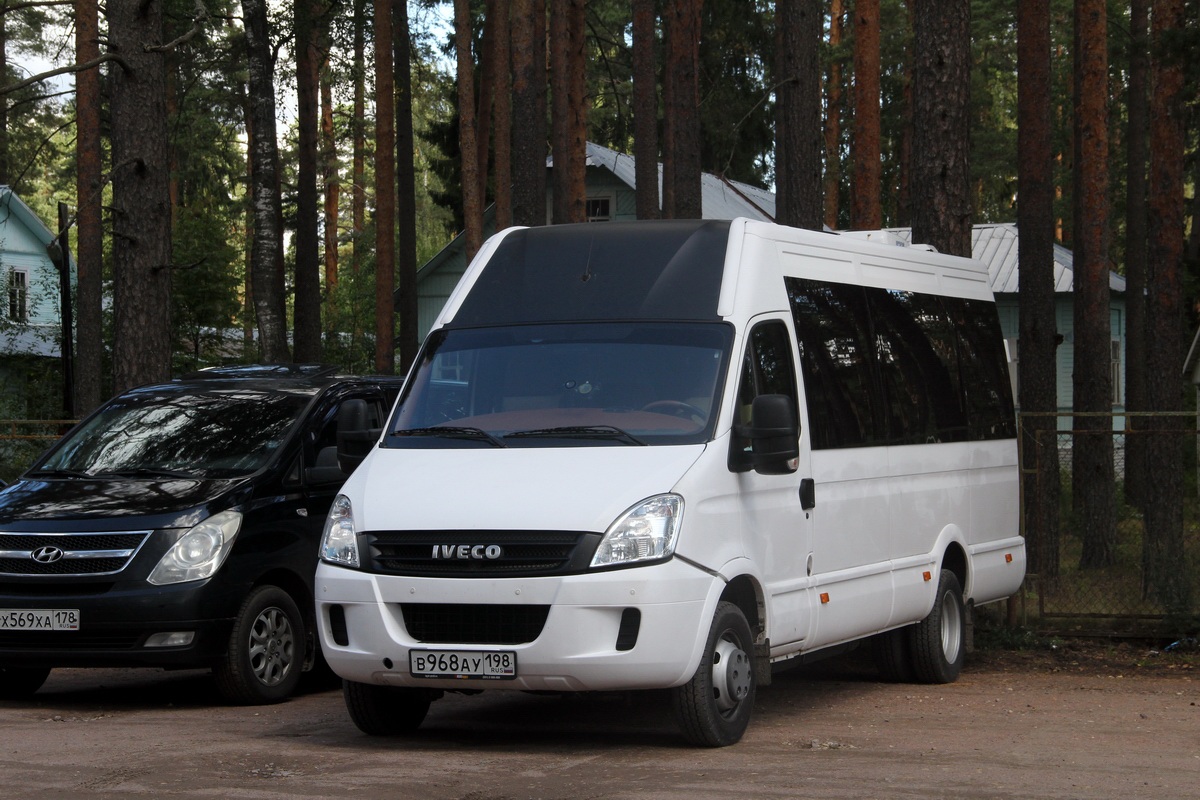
(39, 619)
(489, 665)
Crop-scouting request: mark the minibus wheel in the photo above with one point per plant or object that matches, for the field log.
(714, 707)
(19, 683)
(893, 655)
(385, 710)
(266, 650)
(939, 640)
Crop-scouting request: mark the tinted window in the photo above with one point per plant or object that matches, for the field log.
(214, 434)
(895, 367)
(834, 337)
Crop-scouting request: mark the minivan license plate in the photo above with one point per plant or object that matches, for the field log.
(39, 619)
(488, 665)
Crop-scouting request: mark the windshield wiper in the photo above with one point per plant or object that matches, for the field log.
(578, 432)
(450, 432)
(61, 473)
(144, 472)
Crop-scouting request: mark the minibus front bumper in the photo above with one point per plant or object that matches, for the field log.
(633, 628)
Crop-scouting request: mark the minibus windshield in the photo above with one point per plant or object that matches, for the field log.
(565, 385)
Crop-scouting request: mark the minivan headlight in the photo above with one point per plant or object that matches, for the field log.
(646, 532)
(200, 551)
(339, 543)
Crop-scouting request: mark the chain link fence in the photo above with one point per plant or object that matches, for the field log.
(1103, 559)
(23, 440)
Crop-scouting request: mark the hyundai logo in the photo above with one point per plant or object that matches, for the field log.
(46, 555)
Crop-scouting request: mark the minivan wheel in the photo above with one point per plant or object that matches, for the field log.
(386, 710)
(265, 657)
(713, 708)
(19, 683)
(939, 641)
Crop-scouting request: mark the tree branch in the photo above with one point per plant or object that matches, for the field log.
(198, 22)
(95, 62)
(34, 4)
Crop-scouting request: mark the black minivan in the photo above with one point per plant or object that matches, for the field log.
(178, 526)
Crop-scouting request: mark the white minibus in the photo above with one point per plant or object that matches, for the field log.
(677, 455)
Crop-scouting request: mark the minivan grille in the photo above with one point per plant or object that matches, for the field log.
(480, 554)
(68, 553)
(450, 623)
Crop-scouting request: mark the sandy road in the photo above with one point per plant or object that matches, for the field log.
(1090, 731)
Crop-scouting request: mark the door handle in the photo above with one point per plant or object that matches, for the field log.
(808, 493)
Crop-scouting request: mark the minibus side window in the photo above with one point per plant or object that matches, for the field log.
(766, 369)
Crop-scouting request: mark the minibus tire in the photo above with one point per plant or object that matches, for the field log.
(385, 710)
(892, 651)
(20, 683)
(270, 619)
(713, 708)
(939, 641)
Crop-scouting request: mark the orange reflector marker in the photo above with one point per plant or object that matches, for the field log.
(1008, 558)
(928, 575)
(824, 597)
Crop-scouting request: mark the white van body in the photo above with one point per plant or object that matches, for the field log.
(892, 509)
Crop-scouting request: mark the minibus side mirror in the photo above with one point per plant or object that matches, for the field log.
(774, 434)
(355, 436)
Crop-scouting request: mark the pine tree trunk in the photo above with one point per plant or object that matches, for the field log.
(1165, 573)
(141, 250)
(682, 143)
(1092, 450)
(833, 119)
(645, 111)
(385, 190)
(406, 192)
(89, 244)
(467, 132)
(798, 132)
(306, 310)
(266, 266)
(529, 106)
(1135, 253)
(501, 67)
(1038, 337)
(866, 211)
(567, 86)
(941, 201)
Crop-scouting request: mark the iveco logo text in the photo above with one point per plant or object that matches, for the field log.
(478, 552)
(46, 555)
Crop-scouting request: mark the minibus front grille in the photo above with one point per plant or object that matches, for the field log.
(480, 554)
(462, 623)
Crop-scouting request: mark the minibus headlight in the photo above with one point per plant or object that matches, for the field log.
(200, 551)
(339, 544)
(646, 532)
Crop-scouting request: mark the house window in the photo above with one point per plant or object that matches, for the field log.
(18, 295)
(598, 209)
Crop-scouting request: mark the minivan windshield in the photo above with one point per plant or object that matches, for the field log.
(181, 434)
(567, 384)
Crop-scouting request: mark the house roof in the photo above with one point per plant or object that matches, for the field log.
(13, 206)
(996, 246)
(720, 197)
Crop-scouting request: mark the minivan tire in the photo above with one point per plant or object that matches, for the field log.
(20, 683)
(713, 708)
(265, 657)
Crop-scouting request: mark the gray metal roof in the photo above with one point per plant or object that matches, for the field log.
(996, 246)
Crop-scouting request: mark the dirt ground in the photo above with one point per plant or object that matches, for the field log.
(1073, 722)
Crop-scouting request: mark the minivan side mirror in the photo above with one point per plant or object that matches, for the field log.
(355, 436)
(774, 434)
